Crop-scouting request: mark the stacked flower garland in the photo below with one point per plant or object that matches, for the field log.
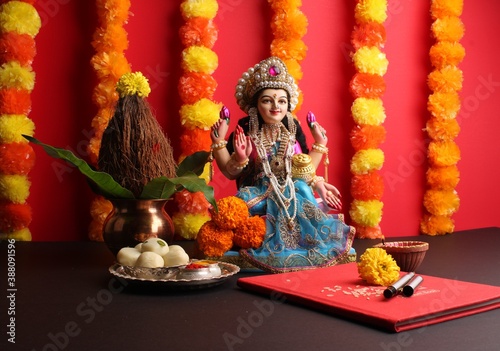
(198, 112)
(289, 25)
(109, 41)
(19, 24)
(367, 87)
(445, 81)
(230, 227)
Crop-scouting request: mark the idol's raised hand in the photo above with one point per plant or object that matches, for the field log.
(242, 145)
(317, 131)
(220, 128)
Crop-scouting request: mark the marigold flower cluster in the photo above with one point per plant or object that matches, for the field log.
(109, 62)
(231, 226)
(441, 200)
(378, 267)
(367, 87)
(19, 24)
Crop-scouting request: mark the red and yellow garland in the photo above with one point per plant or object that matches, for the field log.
(289, 25)
(445, 82)
(367, 87)
(19, 24)
(199, 111)
(109, 62)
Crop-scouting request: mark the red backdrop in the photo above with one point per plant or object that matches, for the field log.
(63, 108)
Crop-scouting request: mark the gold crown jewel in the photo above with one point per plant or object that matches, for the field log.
(270, 73)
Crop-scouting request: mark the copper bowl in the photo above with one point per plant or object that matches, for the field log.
(407, 254)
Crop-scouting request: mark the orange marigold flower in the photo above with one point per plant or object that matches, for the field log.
(368, 34)
(250, 233)
(369, 186)
(443, 178)
(367, 136)
(214, 241)
(14, 217)
(192, 203)
(15, 101)
(367, 85)
(16, 158)
(437, 225)
(199, 31)
(233, 211)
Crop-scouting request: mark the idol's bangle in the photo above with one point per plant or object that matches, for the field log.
(315, 181)
(219, 146)
(234, 167)
(322, 149)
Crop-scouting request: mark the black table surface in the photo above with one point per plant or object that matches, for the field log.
(65, 299)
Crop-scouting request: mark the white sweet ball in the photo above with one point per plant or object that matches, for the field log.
(176, 248)
(139, 247)
(149, 259)
(175, 258)
(127, 256)
(155, 245)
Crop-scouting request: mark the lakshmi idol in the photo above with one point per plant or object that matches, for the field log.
(275, 172)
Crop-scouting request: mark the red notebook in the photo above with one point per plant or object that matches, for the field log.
(339, 290)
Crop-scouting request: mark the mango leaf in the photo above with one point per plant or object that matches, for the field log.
(105, 184)
(194, 163)
(164, 188)
(158, 188)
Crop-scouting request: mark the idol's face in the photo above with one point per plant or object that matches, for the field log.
(272, 105)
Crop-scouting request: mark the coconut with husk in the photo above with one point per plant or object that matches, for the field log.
(134, 149)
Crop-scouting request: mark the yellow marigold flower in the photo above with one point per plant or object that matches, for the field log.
(377, 267)
(370, 60)
(371, 10)
(13, 126)
(202, 114)
(19, 17)
(368, 111)
(133, 84)
(13, 75)
(199, 8)
(19, 235)
(366, 213)
(367, 160)
(441, 202)
(188, 225)
(233, 211)
(199, 59)
(15, 188)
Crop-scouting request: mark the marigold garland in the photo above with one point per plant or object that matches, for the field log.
(289, 25)
(196, 89)
(367, 87)
(441, 200)
(19, 24)
(109, 62)
(377, 267)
